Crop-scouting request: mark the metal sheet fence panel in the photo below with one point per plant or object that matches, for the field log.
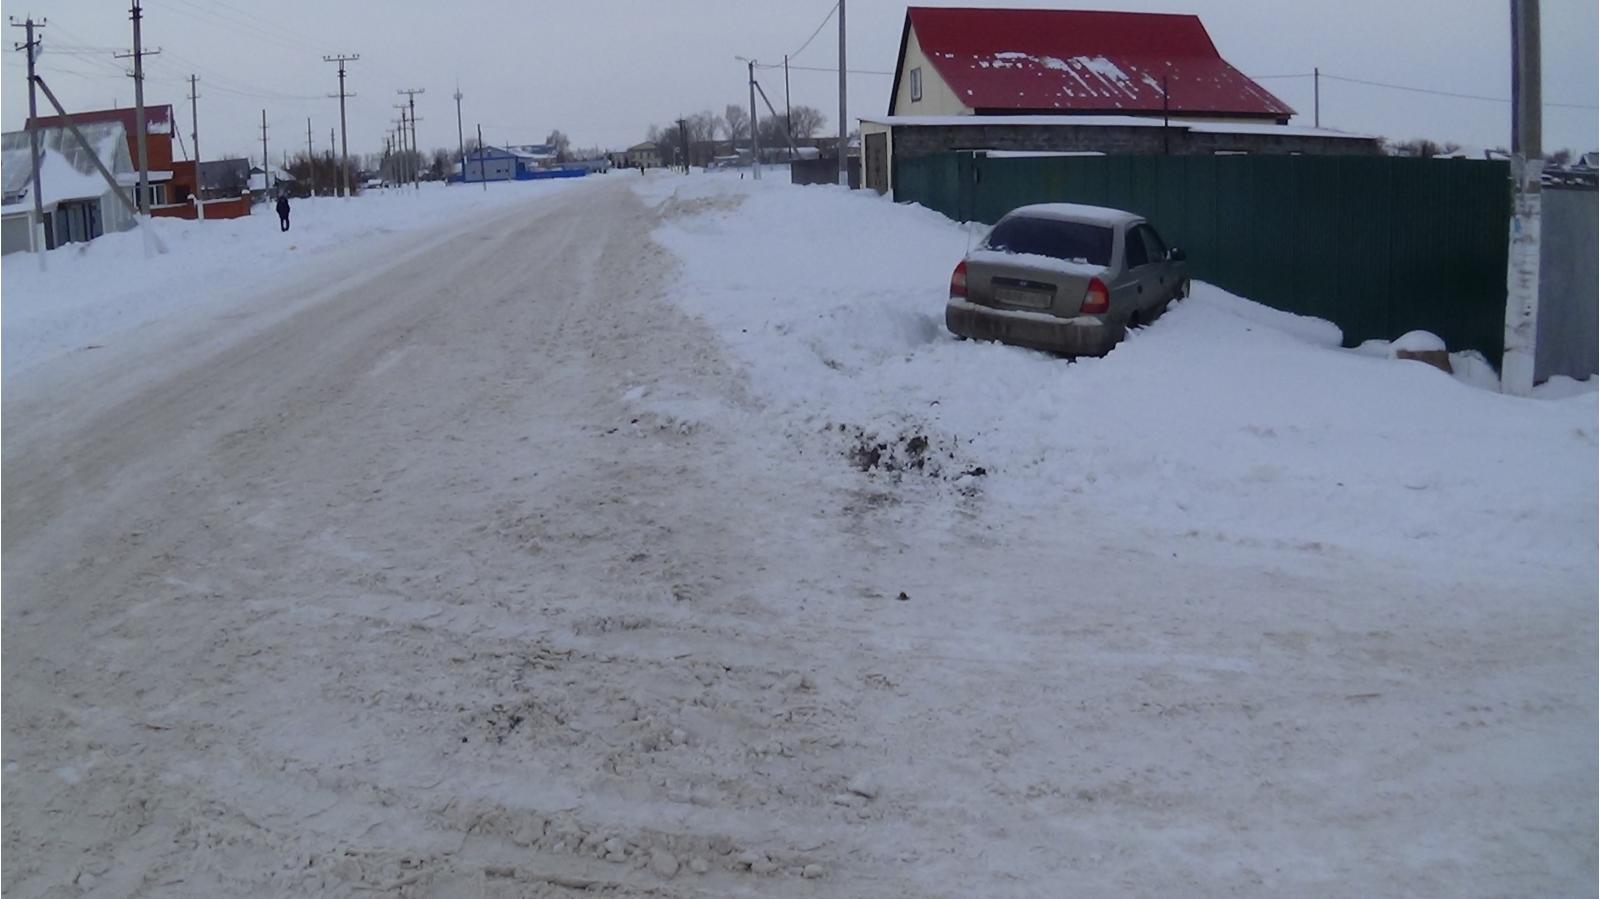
(1377, 245)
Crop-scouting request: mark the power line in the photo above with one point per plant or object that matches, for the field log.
(832, 69)
(825, 20)
(1410, 89)
(1437, 93)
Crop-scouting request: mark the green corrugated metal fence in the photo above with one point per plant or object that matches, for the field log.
(1378, 245)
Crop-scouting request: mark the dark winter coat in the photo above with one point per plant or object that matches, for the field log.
(283, 207)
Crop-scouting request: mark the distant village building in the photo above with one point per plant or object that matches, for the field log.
(1076, 81)
(646, 154)
(524, 162)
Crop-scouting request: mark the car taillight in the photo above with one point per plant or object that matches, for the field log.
(1096, 300)
(958, 281)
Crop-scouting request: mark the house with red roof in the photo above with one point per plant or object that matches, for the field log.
(1081, 81)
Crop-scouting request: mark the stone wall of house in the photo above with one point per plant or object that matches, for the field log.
(925, 140)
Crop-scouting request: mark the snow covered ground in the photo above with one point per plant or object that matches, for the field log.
(651, 537)
(1225, 420)
(111, 285)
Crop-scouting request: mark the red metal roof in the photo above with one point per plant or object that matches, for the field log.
(1081, 61)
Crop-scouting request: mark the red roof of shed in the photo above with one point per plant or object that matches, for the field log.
(1080, 61)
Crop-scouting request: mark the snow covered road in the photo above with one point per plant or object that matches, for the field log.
(488, 571)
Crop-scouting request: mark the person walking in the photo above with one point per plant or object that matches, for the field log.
(283, 212)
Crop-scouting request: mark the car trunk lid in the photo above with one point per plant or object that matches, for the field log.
(1037, 283)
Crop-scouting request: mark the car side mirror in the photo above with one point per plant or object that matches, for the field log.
(1177, 255)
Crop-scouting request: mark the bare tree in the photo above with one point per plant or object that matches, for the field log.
(806, 121)
(737, 121)
(561, 144)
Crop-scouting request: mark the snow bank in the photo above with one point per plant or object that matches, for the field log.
(1225, 420)
(90, 292)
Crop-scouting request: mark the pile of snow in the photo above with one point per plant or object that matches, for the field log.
(1225, 420)
(90, 292)
(1469, 366)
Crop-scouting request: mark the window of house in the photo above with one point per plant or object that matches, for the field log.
(916, 84)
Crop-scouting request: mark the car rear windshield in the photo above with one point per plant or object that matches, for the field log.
(1073, 241)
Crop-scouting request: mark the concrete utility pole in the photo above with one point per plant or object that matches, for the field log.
(755, 140)
(266, 161)
(405, 146)
(140, 125)
(194, 132)
(311, 158)
(844, 119)
(460, 139)
(411, 98)
(1316, 96)
(1527, 169)
(31, 44)
(344, 147)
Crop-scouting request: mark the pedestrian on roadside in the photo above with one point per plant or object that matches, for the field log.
(283, 212)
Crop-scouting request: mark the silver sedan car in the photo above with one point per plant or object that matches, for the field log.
(1065, 278)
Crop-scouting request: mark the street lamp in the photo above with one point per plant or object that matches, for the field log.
(755, 144)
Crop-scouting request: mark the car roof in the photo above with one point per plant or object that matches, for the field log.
(1078, 212)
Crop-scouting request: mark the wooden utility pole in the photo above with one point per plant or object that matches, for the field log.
(1517, 366)
(405, 142)
(344, 147)
(31, 44)
(194, 132)
(411, 98)
(136, 13)
(480, 161)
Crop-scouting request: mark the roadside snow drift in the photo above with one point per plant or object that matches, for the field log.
(1224, 420)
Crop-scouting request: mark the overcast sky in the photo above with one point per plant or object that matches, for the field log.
(603, 70)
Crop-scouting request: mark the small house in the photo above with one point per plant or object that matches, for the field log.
(1076, 81)
(78, 203)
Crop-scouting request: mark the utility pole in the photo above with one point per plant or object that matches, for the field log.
(31, 44)
(405, 145)
(1166, 117)
(194, 132)
(411, 97)
(1527, 168)
(462, 141)
(755, 142)
(266, 162)
(136, 13)
(344, 151)
(1316, 96)
(683, 141)
(311, 158)
(788, 111)
(844, 119)
(480, 161)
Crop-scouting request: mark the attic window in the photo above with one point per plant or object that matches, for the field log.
(916, 84)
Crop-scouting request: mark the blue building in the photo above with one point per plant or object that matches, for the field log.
(529, 162)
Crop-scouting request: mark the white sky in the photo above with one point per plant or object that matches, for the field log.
(603, 70)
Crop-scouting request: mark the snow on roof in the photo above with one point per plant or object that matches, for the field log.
(66, 171)
(158, 118)
(1084, 60)
(1113, 121)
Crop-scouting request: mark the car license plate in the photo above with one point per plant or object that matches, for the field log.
(1033, 299)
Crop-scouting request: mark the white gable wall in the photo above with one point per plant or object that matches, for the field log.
(937, 97)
